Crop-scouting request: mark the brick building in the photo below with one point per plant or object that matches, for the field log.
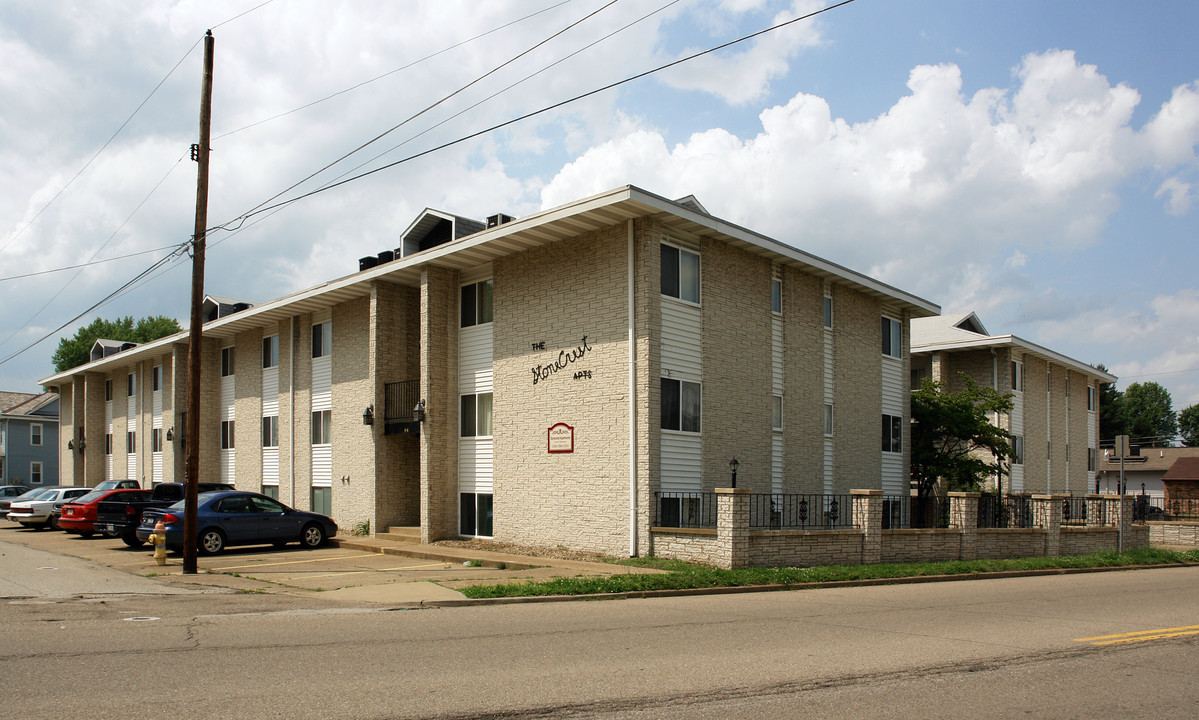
(1055, 414)
(537, 380)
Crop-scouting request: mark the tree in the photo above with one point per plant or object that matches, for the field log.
(1188, 425)
(1111, 421)
(1148, 417)
(73, 352)
(953, 438)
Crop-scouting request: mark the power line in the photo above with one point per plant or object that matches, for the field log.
(261, 209)
(390, 72)
(86, 264)
(426, 109)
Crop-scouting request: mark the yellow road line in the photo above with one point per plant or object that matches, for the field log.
(1142, 635)
(287, 562)
(357, 572)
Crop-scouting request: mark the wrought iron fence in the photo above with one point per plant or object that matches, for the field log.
(780, 511)
(1074, 510)
(1004, 512)
(914, 511)
(685, 509)
(1180, 509)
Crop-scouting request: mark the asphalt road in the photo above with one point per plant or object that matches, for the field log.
(1056, 646)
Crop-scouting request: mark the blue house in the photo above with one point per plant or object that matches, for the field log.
(28, 438)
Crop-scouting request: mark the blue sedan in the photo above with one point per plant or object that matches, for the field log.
(239, 518)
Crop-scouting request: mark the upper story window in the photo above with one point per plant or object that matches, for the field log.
(776, 296)
(322, 339)
(681, 405)
(227, 434)
(108, 391)
(35, 473)
(828, 419)
(680, 273)
(1017, 376)
(1017, 449)
(892, 337)
(156, 378)
(270, 351)
(892, 433)
(270, 431)
(131, 384)
(828, 311)
(776, 412)
(476, 415)
(1090, 397)
(322, 427)
(477, 303)
(227, 358)
(35, 434)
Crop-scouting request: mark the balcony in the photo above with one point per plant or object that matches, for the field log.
(399, 401)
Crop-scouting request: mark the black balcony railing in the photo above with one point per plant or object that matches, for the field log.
(399, 399)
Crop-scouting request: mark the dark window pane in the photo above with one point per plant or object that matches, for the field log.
(317, 337)
(670, 404)
(469, 307)
(466, 513)
(689, 407)
(486, 302)
(670, 271)
(484, 514)
(469, 426)
(689, 276)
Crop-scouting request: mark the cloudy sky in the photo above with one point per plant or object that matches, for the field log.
(1032, 160)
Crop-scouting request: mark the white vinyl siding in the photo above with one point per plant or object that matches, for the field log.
(156, 423)
(131, 416)
(682, 340)
(1016, 482)
(778, 439)
(828, 387)
(1092, 437)
(270, 466)
(322, 397)
(776, 463)
(270, 406)
(681, 463)
(894, 402)
(108, 413)
(475, 372)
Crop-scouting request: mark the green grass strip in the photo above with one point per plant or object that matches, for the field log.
(685, 576)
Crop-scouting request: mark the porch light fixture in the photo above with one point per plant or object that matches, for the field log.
(70, 444)
(80, 445)
(170, 434)
(733, 466)
(368, 415)
(418, 412)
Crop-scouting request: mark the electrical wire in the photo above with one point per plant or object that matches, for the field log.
(390, 72)
(86, 264)
(261, 209)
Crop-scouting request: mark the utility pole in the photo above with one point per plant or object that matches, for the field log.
(192, 437)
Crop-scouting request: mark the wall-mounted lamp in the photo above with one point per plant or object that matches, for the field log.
(80, 445)
(418, 412)
(733, 466)
(368, 415)
(170, 434)
(70, 444)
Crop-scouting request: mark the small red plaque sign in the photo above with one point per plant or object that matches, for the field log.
(560, 438)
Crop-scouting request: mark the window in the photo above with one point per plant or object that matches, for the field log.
(270, 431)
(35, 434)
(477, 303)
(1017, 376)
(1017, 449)
(322, 339)
(108, 443)
(108, 391)
(680, 405)
(227, 361)
(892, 337)
(1091, 398)
(828, 419)
(828, 311)
(131, 442)
(476, 415)
(226, 434)
(892, 433)
(776, 412)
(475, 514)
(918, 375)
(156, 378)
(680, 273)
(322, 427)
(1048, 449)
(35, 473)
(1090, 459)
(156, 440)
(271, 491)
(322, 500)
(131, 384)
(776, 296)
(270, 351)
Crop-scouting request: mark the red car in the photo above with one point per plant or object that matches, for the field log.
(79, 514)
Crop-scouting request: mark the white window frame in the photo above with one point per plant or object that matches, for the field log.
(131, 384)
(35, 434)
(829, 418)
(776, 412)
(679, 420)
(699, 275)
(1017, 449)
(108, 390)
(893, 426)
(35, 472)
(270, 431)
(270, 351)
(892, 337)
(776, 296)
(1018, 376)
(480, 427)
(130, 442)
(228, 431)
(480, 290)
(1091, 395)
(322, 427)
(325, 345)
(156, 378)
(228, 360)
(828, 312)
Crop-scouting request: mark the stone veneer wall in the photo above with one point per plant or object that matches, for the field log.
(247, 408)
(857, 396)
(1173, 533)
(354, 472)
(439, 387)
(394, 340)
(803, 382)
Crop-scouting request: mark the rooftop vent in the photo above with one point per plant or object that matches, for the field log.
(368, 262)
(498, 219)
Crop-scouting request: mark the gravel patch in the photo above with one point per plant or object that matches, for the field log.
(559, 553)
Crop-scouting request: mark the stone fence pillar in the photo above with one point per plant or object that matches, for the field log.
(963, 516)
(1047, 514)
(1119, 510)
(1096, 517)
(868, 517)
(732, 527)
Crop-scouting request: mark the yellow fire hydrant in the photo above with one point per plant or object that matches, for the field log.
(159, 538)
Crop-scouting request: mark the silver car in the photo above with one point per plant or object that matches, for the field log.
(36, 512)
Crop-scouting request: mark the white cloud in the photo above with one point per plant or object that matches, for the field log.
(1178, 195)
(1016, 260)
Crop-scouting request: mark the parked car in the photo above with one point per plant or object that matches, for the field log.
(239, 518)
(8, 493)
(121, 515)
(33, 494)
(118, 485)
(37, 512)
(79, 514)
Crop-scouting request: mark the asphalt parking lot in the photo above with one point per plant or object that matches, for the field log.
(332, 573)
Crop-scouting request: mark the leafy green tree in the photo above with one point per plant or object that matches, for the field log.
(1147, 414)
(75, 351)
(953, 437)
(1188, 425)
(1111, 421)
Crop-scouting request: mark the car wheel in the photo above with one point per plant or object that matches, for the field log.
(52, 523)
(212, 541)
(132, 541)
(312, 536)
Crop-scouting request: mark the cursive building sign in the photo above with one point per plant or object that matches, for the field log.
(565, 358)
(560, 438)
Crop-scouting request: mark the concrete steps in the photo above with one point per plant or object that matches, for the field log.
(402, 534)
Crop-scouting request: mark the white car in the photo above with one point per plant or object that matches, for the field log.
(36, 512)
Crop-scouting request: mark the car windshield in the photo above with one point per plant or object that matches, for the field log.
(91, 497)
(37, 494)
